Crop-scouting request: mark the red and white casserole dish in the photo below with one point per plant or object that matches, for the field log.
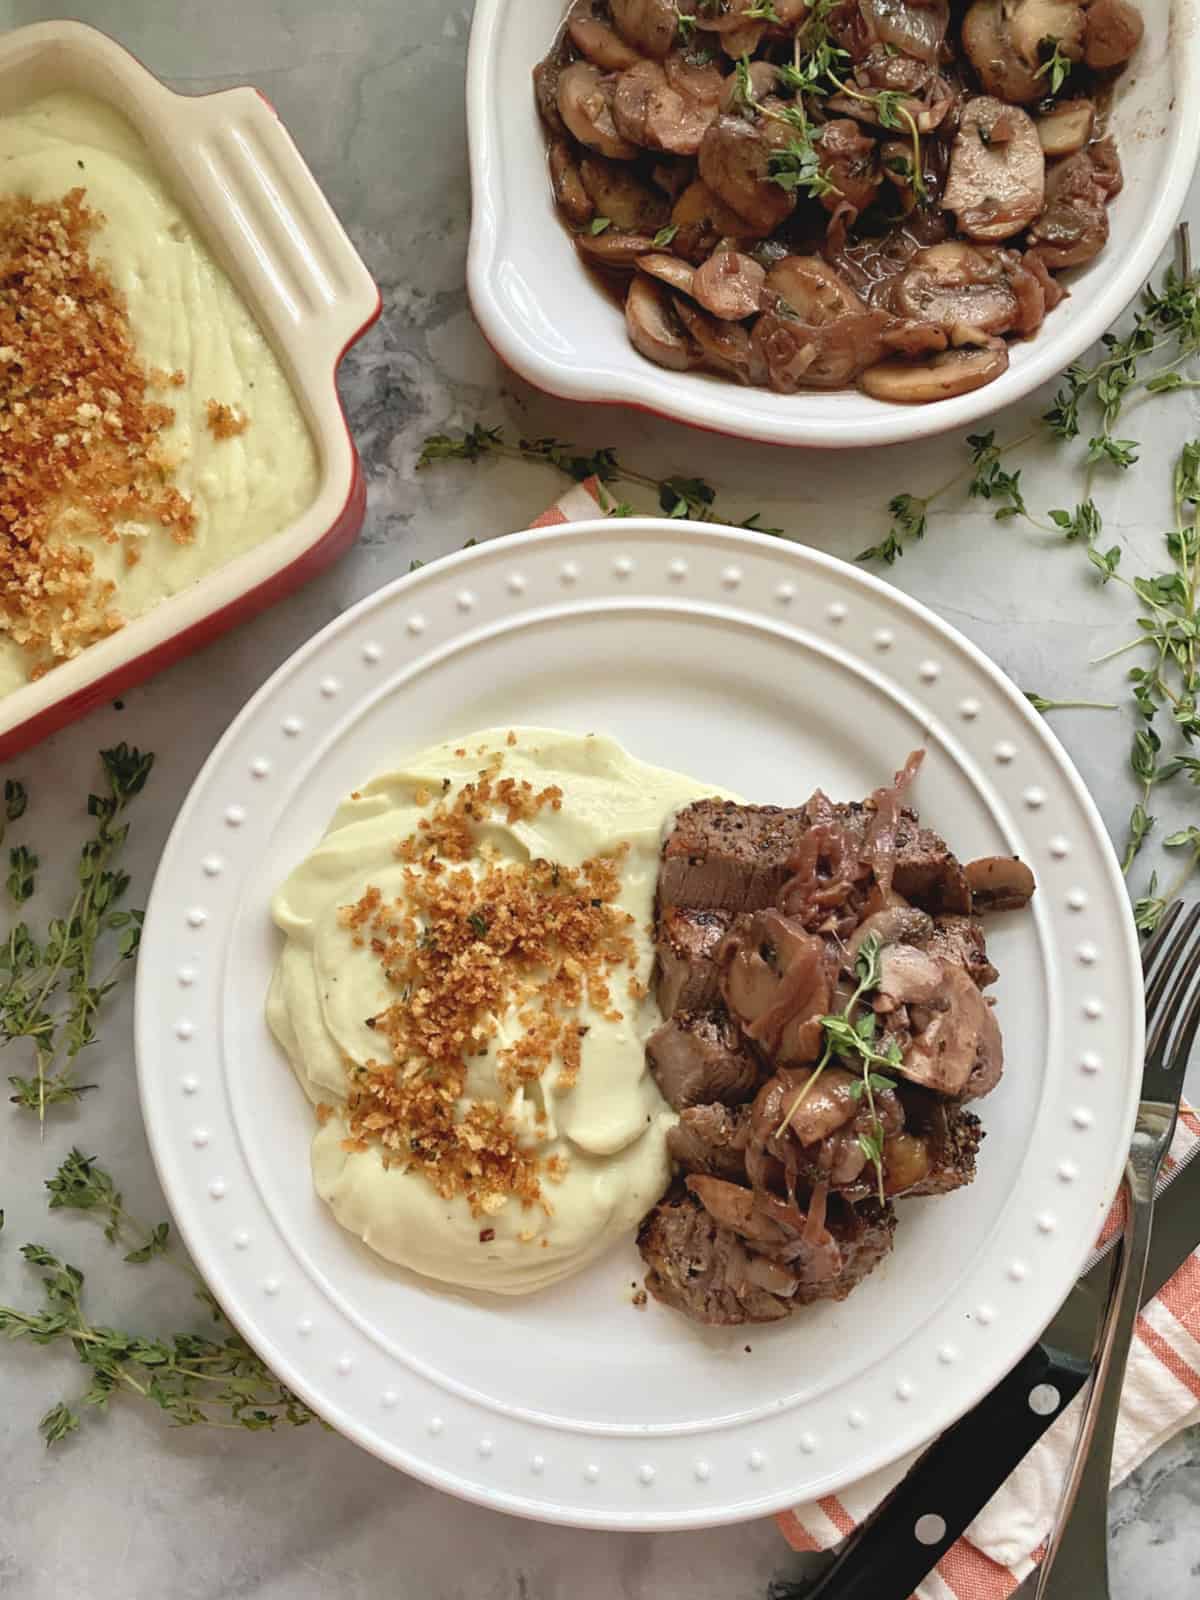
(232, 166)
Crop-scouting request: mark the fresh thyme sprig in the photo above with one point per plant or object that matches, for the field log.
(678, 496)
(214, 1380)
(1055, 67)
(853, 1039)
(49, 990)
(1164, 338)
(1039, 702)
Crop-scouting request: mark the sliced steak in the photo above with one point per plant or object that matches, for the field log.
(962, 940)
(687, 975)
(713, 1276)
(702, 1269)
(698, 1057)
(711, 1139)
(864, 1236)
(721, 855)
(927, 873)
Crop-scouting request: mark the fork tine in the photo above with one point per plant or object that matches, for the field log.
(1183, 965)
(1185, 1038)
(1166, 967)
(1158, 938)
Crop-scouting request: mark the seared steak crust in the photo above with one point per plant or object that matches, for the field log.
(707, 1271)
(729, 857)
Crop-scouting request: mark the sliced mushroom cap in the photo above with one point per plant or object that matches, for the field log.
(775, 981)
(942, 377)
(997, 181)
(959, 1050)
(1066, 127)
(545, 89)
(1113, 32)
(649, 25)
(700, 207)
(585, 98)
(668, 269)
(730, 285)
(728, 16)
(908, 26)
(828, 1105)
(618, 193)
(1073, 226)
(899, 924)
(724, 347)
(1034, 27)
(1106, 166)
(764, 81)
(598, 40)
(741, 42)
(649, 112)
(734, 163)
(963, 289)
(573, 199)
(848, 161)
(813, 289)
(1001, 70)
(702, 220)
(797, 356)
(999, 883)
(699, 80)
(654, 331)
(815, 333)
(908, 976)
(614, 250)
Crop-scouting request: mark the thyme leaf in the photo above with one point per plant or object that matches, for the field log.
(50, 992)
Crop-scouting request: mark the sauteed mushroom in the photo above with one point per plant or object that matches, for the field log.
(940, 378)
(585, 98)
(886, 224)
(999, 883)
(997, 177)
(653, 328)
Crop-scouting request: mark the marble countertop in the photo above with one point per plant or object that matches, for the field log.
(372, 92)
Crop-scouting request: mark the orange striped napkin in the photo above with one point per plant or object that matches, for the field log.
(1161, 1397)
(1008, 1539)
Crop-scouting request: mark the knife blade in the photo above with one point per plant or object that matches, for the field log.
(961, 1471)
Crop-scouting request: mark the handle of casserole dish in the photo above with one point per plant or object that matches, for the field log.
(237, 167)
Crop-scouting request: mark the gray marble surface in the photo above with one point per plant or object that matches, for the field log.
(372, 92)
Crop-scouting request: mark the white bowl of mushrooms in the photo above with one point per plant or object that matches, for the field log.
(842, 223)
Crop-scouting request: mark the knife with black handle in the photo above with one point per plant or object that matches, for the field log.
(886, 1557)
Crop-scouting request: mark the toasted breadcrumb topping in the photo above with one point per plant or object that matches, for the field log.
(471, 940)
(225, 422)
(81, 446)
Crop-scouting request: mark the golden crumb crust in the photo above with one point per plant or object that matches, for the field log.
(81, 433)
(473, 939)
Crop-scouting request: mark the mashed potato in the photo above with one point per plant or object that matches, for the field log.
(591, 1137)
(238, 450)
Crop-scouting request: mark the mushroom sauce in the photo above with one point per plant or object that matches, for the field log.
(814, 195)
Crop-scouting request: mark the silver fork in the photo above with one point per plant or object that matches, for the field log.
(1076, 1563)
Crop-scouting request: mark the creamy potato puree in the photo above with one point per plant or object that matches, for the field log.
(186, 316)
(610, 1127)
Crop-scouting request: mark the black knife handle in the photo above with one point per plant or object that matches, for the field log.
(884, 1559)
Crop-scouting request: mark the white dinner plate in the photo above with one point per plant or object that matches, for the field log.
(750, 663)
